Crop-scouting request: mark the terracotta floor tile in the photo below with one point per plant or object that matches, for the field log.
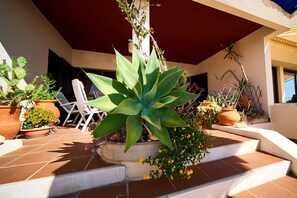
(6, 159)
(214, 169)
(270, 190)
(244, 194)
(33, 158)
(96, 162)
(110, 191)
(197, 178)
(37, 141)
(19, 173)
(23, 150)
(152, 188)
(52, 147)
(288, 183)
(62, 166)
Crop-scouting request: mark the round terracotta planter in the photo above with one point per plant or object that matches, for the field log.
(228, 117)
(48, 105)
(10, 123)
(36, 132)
(112, 152)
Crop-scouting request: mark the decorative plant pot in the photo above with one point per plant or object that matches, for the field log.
(228, 117)
(48, 105)
(10, 123)
(112, 152)
(36, 132)
(209, 104)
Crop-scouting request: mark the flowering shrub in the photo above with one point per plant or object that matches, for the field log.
(206, 116)
(189, 147)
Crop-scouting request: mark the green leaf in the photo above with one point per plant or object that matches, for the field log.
(182, 88)
(151, 80)
(147, 115)
(108, 85)
(169, 117)
(164, 101)
(134, 130)
(153, 63)
(183, 98)
(139, 63)
(111, 123)
(107, 103)
(162, 134)
(168, 83)
(167, 73)
(127, 71)
(128, 107)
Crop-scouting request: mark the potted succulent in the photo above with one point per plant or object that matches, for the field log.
(44, 96)
(140, 104)
(13, 89)
(36, 122)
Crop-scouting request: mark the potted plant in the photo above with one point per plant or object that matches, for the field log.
(36, 122)
(228, 101)
(13, 89)
(44, 96)
(209, 102)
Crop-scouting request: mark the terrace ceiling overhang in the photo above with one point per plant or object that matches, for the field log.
(187, 31)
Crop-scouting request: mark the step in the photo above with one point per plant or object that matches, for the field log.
(218, 178)
(227, 145)
(63, 184)
(282, 187)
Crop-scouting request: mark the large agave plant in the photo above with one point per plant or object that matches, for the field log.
(140, 97)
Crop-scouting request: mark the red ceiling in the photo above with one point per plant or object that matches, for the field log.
(188, 31)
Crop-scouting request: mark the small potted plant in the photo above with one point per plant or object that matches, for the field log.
(13, 89)
(44, 96)
(36, 122)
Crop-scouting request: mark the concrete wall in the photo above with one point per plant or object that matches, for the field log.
(25, 31)
(283, 119)
(256, 59)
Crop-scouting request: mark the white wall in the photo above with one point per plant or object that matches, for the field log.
(25, 31)
(256, 60)
(283, 119)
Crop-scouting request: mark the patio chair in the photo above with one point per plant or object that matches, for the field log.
(86, 111)
(69, 107)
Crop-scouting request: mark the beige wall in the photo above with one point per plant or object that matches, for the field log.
(255, 53)
(25, 31)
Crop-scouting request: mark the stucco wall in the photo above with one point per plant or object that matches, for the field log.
(256, 60)
(25, 31)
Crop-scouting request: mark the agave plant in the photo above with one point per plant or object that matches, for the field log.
(140, 97)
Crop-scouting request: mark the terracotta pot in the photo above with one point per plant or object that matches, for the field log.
(10, 123)
(228, 117)
(48, 105)
(36, 132)
(112, 152)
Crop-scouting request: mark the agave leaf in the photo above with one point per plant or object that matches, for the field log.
(107, 103)
(109, 124)
(148, 97)
(147, 115)
(183, 98)
(139, 63)
(127, 70)
(162, 134)
(168, 83)
(169, 117)
(108, 85)
(151, 80)
(134, 130)
(167, 73)
(153, 63)
(164, 101)
(128, 107)
(182, 88)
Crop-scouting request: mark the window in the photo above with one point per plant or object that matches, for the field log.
(290, 86)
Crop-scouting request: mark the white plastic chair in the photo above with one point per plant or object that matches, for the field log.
(86, 111)
(69, 107)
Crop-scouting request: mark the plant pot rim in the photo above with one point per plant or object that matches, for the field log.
(45, 100)
(9, 106)
(139, 143)
(35, 129)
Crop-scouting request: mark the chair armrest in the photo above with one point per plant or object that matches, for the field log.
(68, 103)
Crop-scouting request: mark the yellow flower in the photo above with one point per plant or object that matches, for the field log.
(183, 128)
(182, 152)
(169, 161)
(190, 172)
(146, 176)
(200, 127)
(140, 161)
(188, 136)
(160, 150)
(181, 171)
(160, 171)
(193, 134)
(172, 161)
(196, 162)
(206, 149)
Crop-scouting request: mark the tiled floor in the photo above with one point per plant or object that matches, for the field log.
(64, 152)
